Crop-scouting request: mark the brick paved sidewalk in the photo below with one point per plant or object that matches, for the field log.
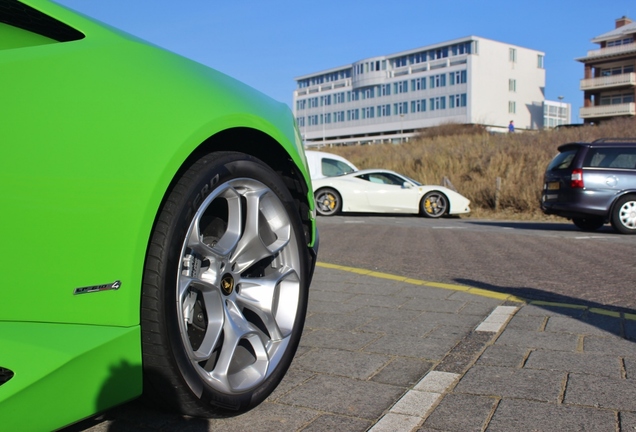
(389, 353)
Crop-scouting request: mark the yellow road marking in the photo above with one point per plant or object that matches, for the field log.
(476, 291)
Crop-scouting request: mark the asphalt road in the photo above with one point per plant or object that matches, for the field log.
(533, 260)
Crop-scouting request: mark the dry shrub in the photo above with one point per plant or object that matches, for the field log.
(449, 129)
(474, 160)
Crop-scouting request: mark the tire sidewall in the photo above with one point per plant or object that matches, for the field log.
(338, 201)
(617, 224)
(204, 177)
(423, 205)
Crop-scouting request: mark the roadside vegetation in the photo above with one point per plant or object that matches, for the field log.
(473, 160)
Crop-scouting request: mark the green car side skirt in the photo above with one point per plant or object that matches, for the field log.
(72, 370)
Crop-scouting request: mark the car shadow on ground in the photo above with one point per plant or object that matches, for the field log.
(543, 226)
(136, 415)
(611, 319)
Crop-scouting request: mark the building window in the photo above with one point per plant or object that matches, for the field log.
(353, 114)
(620, 42)
(438, 53)
(512, 107)
(457, 101)
(385, 90)
(618, 70)
(338, 116)
(418, 105)
(325, 118)
(418, 84)
(325, 100)
(300, 121)
(301, 104)
(313, 102)
(437, 103)
(458, 77)
(512, 85)
(540, 61)
(617, 99)
(462, 48)
(339, 98)
(384, 110)
(512, 55)
(401, 108)
(312, 120)
(437, 81)
(368, 93)
(400, 62)
(368, 112)
(400, 87)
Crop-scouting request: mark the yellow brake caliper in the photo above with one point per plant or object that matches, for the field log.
(332, 201)
(428, 205)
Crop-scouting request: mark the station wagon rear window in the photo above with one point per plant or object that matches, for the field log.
(563, 160)
(622, 158)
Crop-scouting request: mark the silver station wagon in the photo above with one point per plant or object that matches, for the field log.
(593, 184)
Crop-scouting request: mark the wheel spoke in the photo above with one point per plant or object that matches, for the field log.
(274, 299)
(215, 320)
(225, 245)
(238, 368)
(265, 232)
(185, 283)
(628, 214)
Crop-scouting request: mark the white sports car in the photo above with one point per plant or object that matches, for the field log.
(383, 191)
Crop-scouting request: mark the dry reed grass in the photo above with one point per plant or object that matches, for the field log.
(473, 159)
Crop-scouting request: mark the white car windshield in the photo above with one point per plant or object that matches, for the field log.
(386, 178)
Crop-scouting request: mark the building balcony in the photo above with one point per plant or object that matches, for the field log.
(609, 52)
(624, 109)
(323, 87)
(606, 82)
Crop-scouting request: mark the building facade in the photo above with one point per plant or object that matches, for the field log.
(389, 98)
(609, 83)
(556, 114)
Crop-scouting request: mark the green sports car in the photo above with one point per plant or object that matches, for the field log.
(157, 227)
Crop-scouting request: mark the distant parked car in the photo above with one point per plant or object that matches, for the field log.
(323, 164)
(593, 184)
(383, 191)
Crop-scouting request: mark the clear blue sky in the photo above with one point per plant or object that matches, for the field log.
(267, 43)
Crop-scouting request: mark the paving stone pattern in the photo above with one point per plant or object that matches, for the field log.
(387, 354)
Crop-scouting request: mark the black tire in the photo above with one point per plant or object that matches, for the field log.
(328, 202)
(225, 288)
(624, 215)
(588, 223)
(434, 205)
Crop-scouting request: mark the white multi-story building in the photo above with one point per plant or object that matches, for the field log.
(471, 80)
(556, 114)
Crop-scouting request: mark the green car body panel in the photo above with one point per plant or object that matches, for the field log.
(94, 130)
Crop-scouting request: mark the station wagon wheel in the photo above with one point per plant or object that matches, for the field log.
(328, 202)
(588, 223)
(624, 215)
(225, 288)
(434, 204)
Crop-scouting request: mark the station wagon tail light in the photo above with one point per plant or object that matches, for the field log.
(577, 179)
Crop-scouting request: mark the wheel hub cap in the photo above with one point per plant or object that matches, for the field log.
(227, 284)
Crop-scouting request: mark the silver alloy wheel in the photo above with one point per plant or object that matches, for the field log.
(627, 215)
(238, 286)
(434, 204)
(328, 202)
